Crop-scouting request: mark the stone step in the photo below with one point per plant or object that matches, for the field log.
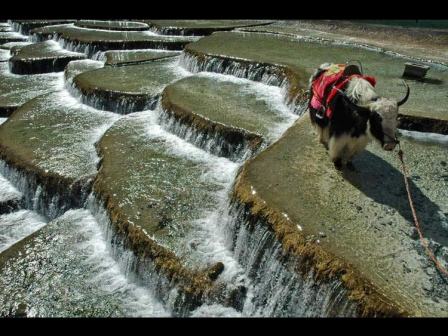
(6, 37)
(200, 27)
(17, 90)
(6, 29)
(91, 41)
(4, 55)
(24, 26)
(65, 269)
(355, 225)
(16, 226)
(50, 140)
(157, 199)
(126, 89)
(231, 117)
(126, 57)
(14, 45)
(42, 57)
(429, 44)
(75, 68)
(112, 25)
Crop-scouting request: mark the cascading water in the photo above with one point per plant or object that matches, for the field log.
(111, 274)
(268, 74)
(283, 292)
(89, 282)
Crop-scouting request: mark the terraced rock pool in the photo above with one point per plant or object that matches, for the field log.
(148, 170)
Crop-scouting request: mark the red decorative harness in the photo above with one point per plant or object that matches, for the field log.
(327, 84)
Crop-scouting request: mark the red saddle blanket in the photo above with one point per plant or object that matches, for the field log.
(326, 85)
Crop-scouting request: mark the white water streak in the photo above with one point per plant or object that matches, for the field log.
(431, 138)
(17, 225)
(106, 271)
(8, 191)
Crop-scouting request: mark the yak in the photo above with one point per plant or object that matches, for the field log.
(347, 112)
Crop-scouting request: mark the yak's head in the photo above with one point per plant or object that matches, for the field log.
(382, 112)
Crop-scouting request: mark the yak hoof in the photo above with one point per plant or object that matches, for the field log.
(338, 164)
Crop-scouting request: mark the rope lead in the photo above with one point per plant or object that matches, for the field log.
(414, 215)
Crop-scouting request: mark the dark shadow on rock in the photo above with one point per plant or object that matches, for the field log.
(384, 184)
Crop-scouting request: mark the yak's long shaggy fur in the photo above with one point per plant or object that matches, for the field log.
(350, 129)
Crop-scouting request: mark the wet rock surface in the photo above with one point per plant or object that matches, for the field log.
(112, 25)
(160, 213)
(164, 202)
(124, 57)
(10, 197)
(17, 89)
(14, 46)
(42, 58)
(6, 37)
(4, 55)
(75, 68)
(91, 41)
(234, 112)
(367, 225)
(17, 225)
(126, 89)
(24, 26)
(65, 270)
(200, 27)
(32, 140)
(417, 42)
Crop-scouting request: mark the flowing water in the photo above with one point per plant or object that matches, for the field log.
(59, 258)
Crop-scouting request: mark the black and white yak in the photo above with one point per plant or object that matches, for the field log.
(354, 115)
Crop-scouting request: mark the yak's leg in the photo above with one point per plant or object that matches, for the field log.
(356, 146)
(322, 129)
(323, 135)
(337, 147)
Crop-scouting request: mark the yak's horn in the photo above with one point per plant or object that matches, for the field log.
(404, 100)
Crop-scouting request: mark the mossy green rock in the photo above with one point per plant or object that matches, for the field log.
(54, 135)
(101, 40)
(26, 25)
(112, 25)
(356, 225)
(227, 108)
(17, 90)
(42, 57)
(154, 188)
(136, 87)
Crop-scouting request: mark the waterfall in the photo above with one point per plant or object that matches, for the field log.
(142, 270)
(233, 146)
(262, 280)
(278, 289)
(47, 195)
(113, 101)
(268, 74)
